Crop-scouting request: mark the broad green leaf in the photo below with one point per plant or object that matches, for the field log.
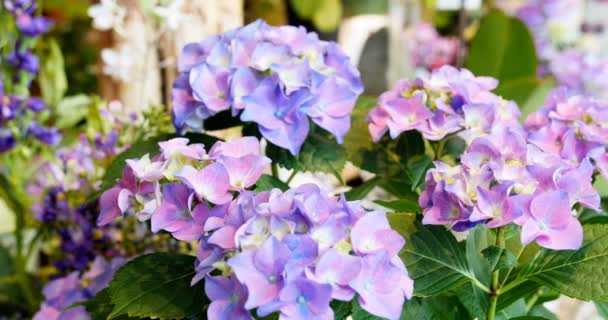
(499, 258)
(402, 222)
(326, 16)
(417, 168)
(435, 308)
(401, 205)
(319, 153)
(358, 7)
(139, 149)
(436, 261)
(304, 8)
(100, 307)
(71, 110)
(579, 274)
(341, 309)
(476, 242)
(503, 48)
(52, 79)
(516, 309)
(364, 189)
(602, 308)
(529, 93)
(529, 318)
(156, 286)
(474, 300)
(522, 290)
(268, 182)
(541, 311)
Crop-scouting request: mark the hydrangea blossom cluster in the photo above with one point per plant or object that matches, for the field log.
(17, 111)
(502, 179)
(448, 101)
(572, 127)
(60, 294)
(277, 77)
(430, 50)
(290, 252)
(566, 45)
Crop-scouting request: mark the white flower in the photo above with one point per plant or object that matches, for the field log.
(117, 63)
(171, 14)
(107, 15)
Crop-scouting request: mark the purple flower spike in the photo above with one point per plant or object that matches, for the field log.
(211, 183)
(227, 297)
(304, 299)
(33, 26)
(551, 223)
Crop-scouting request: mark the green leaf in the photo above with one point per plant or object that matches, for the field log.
(52, 78)
(417, 168)
(141, 148)
(403, 223)
(319, 153)
(304, 8)
(435, 308)
(327, 15)
(503, 48)
(71, 110)
(7, 192)
(579, 274)
(474, 300)
(529, 318)
(516, 309)
(602, 308)
(436, 261)
(268, 182)
(401, 205)
(100, 306)
(529, 93)
(499, 258)
(541, 311)
(341, 309)
(157, 286)
(364, 189)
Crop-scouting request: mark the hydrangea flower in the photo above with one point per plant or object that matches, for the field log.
(277, 77)
(504, 178)
(572, 127)
(290, 252)
(428, 49)
(448, 101)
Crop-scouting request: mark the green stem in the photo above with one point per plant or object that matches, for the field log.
(275, 170)
(530, 304)
(500, 242)
(293, 174)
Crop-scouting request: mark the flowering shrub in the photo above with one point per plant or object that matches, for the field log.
(276, 77)
(463, 209)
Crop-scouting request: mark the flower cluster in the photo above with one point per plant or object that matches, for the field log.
(291, 252)
(60, 294)
(572, 127)
(430, 50)
(17, 111)
(277, 77)
(80, 240)
(295, 251)
(77, 168)
(581, 72)
(202, 177)
(504, 178)
(447, 101)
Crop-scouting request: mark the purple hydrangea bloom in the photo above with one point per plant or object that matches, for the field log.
(277, 77)
(447, 101)
(428, 49)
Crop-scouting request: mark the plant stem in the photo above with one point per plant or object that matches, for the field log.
(293, 174)
(500, 242)
(275, 170)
